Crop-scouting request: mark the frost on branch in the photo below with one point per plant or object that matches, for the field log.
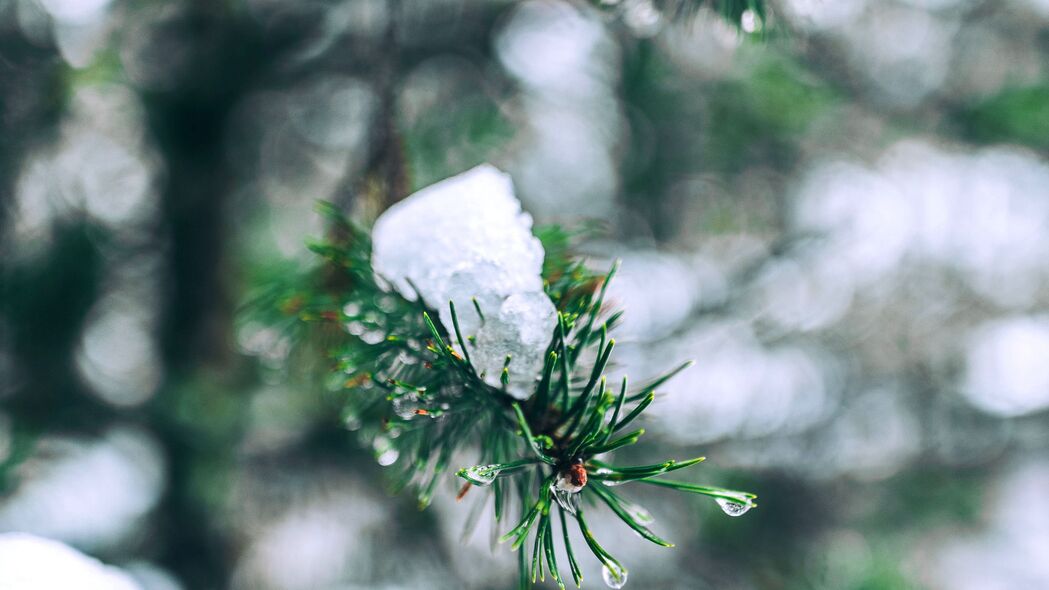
(28, 562)
(466, 238)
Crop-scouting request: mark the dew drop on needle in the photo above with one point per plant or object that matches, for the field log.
(735, 507)
(614, 577)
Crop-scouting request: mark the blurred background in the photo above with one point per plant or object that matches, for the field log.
(839, 208)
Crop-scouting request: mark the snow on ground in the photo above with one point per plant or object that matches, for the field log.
(28, 562)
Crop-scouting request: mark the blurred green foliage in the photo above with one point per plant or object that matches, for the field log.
(1016, 114)
(455, 137)
(761, 115)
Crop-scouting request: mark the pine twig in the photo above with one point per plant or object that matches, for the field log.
(407, 385)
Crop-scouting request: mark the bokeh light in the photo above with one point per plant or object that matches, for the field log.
(838, 209)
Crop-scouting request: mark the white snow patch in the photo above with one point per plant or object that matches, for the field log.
(466, 237)
(28, 562)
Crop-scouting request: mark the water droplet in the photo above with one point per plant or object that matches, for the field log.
(387, 304)
(352, 422)
(407, 359)
(750, 22)
(735, 507)
(482, 475)
(406, 406)
(639, 514)
(388, 457)
(372, 336)
(385, 453)
(565, 483)
(614, 576)
(351, 419)
(567, 499)
(604, 471)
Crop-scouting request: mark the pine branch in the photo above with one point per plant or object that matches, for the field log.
(411, 392)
